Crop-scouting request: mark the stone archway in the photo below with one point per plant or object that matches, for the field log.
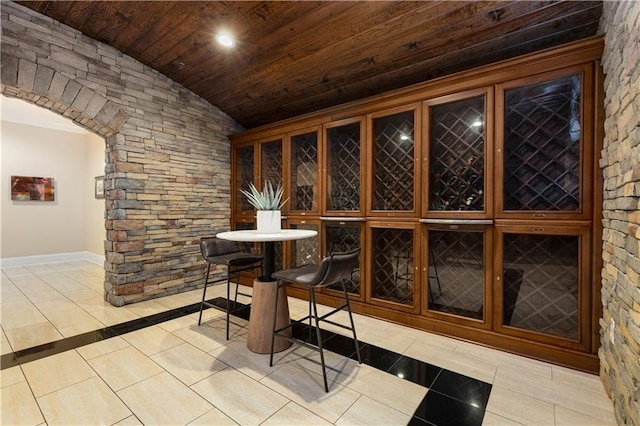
(50, 89)
(47, 88)
(168, 162)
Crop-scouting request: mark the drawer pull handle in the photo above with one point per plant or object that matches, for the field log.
(538, 229)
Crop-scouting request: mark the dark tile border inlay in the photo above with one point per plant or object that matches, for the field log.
(452, 398)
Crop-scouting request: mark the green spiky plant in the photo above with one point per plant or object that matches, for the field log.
(267, 199)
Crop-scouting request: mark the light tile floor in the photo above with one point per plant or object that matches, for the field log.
(177, 373)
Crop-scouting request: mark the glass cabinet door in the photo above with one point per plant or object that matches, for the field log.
(394, 257)
(304, 173)
(542, 147)
(244, 161)
(393, 159)
(341, 236)
(343, 165)
(456, 270)
(306, 250)
(458, 155)
(271, 162)
(543, 289)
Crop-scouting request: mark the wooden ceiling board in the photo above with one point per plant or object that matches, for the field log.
(148, 18)
(366, 87)
(478, 41)
(375, 51)
(210, 67)
(352, 50)
(295, 57)
(277, 46)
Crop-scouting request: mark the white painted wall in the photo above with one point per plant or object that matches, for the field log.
(74, 222)
(94, 230)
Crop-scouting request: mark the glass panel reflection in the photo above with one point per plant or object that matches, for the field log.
(304, 251)
(456, 160)
(244, 176)
(304, 170)
(393, 162)
(456, 272)
(343, 167)
(542, 146)
(540, 281)
(271, 162)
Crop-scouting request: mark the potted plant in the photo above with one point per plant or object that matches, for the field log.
(268, 203)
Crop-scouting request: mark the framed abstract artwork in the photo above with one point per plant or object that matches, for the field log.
(32, 188)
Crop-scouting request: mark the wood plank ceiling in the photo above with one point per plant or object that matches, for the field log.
(294, 57)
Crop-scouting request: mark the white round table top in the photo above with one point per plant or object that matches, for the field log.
(252, 235)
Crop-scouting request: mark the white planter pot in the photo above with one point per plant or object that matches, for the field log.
(269, 221)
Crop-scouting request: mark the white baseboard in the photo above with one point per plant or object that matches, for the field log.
(10, 262)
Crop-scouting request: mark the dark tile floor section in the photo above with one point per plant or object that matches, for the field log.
(452, 399)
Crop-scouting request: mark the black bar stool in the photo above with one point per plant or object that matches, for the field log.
(333, 269)
(216, 251)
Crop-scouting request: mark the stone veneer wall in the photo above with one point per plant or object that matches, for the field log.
(167, 157)
(620, 162)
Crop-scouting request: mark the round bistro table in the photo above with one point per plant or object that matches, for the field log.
(264, 288)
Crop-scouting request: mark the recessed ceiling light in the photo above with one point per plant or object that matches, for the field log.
(225, 39)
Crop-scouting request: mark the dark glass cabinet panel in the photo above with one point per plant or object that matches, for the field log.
(271, 162)
(246, 246)
(244, 175)
(304, 251)
(343, 167)
(393, 162)
(456, 273)
(342, 238)
(393, 265)
(304, 172)
(456, 155)
(542, 146)
(540, 283)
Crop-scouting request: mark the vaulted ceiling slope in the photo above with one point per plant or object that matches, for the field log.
(294, 57)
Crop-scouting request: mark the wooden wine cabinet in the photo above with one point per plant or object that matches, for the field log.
(474, 199)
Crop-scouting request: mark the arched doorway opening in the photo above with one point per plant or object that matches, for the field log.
(69, 225)
(81, 104)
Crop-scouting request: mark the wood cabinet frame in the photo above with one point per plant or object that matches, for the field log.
(489, 105)
(582, 56)
(583, 340)
(586, 144)
(259, 182)
(370, 161)
(288, 170)
(417, 282)
(324, 159)
(487, 230)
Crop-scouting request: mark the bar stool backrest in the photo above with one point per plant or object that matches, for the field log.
(336, 267)
(213, 247)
